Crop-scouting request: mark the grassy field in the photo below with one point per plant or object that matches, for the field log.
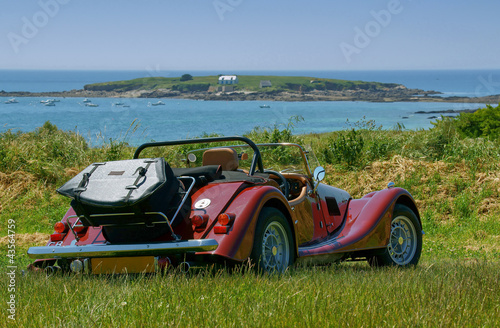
(455, 180)
(435, 294)
(246, 83)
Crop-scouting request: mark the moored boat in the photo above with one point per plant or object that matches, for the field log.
(11, 101)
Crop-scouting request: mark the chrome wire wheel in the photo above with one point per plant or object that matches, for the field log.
(275, 248)
(403, 241)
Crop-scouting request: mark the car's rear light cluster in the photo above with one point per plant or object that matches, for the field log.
(57, 236)
(224, 223)
(199, 222)
(61, 229)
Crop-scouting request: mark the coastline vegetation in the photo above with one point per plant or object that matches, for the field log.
(245, 83)
(452, 170)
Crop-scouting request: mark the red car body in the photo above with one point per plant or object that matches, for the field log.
(251, 216)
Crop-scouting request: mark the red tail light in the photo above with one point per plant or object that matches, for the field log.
(60, 227)
(226, 218)
(199, 222)
(221, 229)
(56, 237)
(225, 221)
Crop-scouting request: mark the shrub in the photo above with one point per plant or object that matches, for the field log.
(186, 77)
(485, 122)
(347, 148)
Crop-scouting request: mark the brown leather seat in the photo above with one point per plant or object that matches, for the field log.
(225, 157)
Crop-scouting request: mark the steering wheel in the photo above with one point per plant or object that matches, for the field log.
(284, 187)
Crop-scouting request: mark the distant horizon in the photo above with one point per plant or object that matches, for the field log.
(229, 71)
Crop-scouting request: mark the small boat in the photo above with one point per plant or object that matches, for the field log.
(11, 101)
(118, 103)
(50, 103)
(86, 100)
(158, 103)
(265, 106)
(89, 104)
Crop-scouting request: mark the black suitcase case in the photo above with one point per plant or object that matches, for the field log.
(118, 195)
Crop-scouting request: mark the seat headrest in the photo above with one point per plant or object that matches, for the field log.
(225, 157)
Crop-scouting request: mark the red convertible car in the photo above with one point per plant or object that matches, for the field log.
(223, 200)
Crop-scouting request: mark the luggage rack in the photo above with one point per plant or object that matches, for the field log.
(167, 221)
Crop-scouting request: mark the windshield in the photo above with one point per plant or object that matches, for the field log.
(281, 157)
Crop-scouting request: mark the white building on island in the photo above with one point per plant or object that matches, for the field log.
(228, 79)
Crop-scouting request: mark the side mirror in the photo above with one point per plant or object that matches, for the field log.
(319, 173)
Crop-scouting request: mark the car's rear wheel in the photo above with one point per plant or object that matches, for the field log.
(405, 241)
(273, 245)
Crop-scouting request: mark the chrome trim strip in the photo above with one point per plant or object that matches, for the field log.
(102, 250)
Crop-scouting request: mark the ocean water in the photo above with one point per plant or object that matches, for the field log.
(179, 119)
(450, 82)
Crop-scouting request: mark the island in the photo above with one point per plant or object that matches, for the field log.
(254, 87)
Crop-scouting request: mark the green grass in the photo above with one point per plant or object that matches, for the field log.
(246, 83)
(444, 294)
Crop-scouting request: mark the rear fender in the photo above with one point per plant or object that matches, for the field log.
(238, 242)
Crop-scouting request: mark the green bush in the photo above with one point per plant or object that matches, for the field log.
(485, 122)
(186, 77)
(347, 148)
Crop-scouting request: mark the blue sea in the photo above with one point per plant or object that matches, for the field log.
(179, 119)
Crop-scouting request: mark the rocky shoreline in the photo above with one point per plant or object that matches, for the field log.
(389, 95)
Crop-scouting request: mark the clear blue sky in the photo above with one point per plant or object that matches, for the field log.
(249, 34)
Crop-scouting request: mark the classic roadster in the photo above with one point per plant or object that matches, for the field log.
(223, 200)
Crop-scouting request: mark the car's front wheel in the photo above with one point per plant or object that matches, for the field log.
(405, 241)
(273, 245)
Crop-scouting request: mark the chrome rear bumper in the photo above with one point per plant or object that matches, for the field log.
(100, 250)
